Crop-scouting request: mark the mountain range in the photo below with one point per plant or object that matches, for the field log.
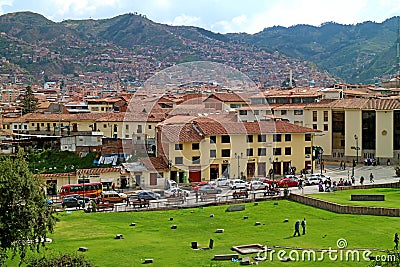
(360, 53)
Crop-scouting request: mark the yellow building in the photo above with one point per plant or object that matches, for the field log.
(357, 128)
(206, 148)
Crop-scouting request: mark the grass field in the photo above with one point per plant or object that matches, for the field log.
(152, 237)
(392, 197)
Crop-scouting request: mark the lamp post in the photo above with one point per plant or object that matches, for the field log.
(67, 169)
(356, 161)
(321, 151)
(272, 171)
(238, 158)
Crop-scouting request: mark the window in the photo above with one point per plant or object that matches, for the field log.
(178, 146)
(243, 112)
(288, 151)
(314, 116)
(325, 127)
(195, 146)
(249, 139)
(213, 139)
(102, 108)
(94, 108)
(234, 105)
(288, 137)
(307, 137)
(226, 153)
(249, 152)
(127, 126)
(277, 138)
(314, 126)
(139, 129)
(325, 115)
(283, 112)
(262, 151)
(225, 139)
(262, 138)
(104, 125)
(196, 160)
(298, 112)
(149, 127)
(256, 112)
(213, 153)
(178, 160)
(277, 151)
(127, 136)
(307, 150)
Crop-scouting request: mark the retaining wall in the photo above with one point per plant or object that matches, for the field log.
(346, 209)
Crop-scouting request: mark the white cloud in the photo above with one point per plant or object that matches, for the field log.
(239, 19)
(186, 20)
(5, 3)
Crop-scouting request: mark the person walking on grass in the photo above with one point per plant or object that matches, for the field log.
(297, 228)
(396, 241)
(303, 225)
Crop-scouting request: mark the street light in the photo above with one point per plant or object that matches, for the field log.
(72, 167)
(355, 162)
(272, 170)
(238, 157)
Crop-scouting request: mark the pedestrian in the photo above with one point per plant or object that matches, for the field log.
(303, 225)
(371, 178)
(396, 241)
(341, 165)
(297, 228)
(361, 180)
(300, 184)
(353, 180)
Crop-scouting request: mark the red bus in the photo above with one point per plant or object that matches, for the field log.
(87, 189)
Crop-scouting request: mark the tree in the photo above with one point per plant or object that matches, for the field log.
(25, 216)
(29, 102)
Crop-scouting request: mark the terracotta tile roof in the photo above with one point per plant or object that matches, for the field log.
(229, 97)
(357, 103)
(295, 92)
(181, 133)
(211, 127)
(98, 170)
(154, 163)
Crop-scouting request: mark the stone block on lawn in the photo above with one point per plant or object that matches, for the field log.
(119, 236)
(236, 208)
(83, 249)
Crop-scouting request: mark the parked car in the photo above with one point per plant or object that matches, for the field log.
(289, 182)
(222, 181)
(208, 189)
(74, 201)
(316, 177)
(176, 192)
(255, 185)
(196, 186)
(113, 197)
(237, 184)
(148, 195)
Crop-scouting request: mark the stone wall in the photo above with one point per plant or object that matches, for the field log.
(346, 209)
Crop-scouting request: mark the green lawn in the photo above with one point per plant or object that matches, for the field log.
(392, 197)
(152, 237)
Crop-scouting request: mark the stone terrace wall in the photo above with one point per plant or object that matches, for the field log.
(368, 186)
(346, 209)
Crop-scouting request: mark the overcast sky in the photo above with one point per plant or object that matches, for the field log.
(222, 16)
